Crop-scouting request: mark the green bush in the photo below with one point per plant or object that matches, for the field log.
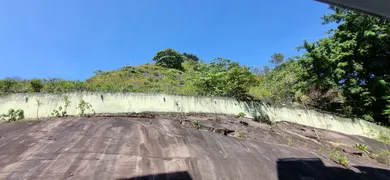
(13, 115)
(337, 157)
(36, 85)
(368, 117)
(241, 114)
(260, 116)
(83, 107)
(196, 124)
(362, 147)
(255, 116)
(62, 112)
(7, 85)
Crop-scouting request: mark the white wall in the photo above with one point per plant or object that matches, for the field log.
(138, 102)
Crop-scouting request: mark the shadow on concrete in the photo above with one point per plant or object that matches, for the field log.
(314, 169)
(183, 175)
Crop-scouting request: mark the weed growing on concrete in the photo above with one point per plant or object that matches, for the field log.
(384, 137)
(241, 114)
(255, 116)
(13, 115)
(62, 112)
(362, 147)
(338, 158)
(343, 160)
(370, 133)
(83, 107)
(240, 134)
(321, 150)
(261, 117)
(289, 141)
(383, 157)
(39, 104)
(57, 113)
(196, 124)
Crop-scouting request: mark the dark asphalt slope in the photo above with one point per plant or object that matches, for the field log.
(135, 148)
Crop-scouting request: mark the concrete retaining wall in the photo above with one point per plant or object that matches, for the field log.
(138, 102)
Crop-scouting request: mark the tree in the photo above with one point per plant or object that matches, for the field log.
(355, 60)
(98, 72)
(190, 56)
(169, 58)
(279, 85)
(238, 81)
(266, 69)
(277, 58)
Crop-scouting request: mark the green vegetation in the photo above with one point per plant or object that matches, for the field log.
(384, 137)
(62, 112)
(260, 116)
(36, 85)
(362, 147)
(13, 115)
(346, 72)
(169, 58)
(240, 134)
(255, 116)
(196, 124)
(190, 57)
(241, 114)
(84, 108)
(383, 157)
(289, 141)
(338, 158)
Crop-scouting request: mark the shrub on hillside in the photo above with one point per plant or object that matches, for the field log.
(169, 58)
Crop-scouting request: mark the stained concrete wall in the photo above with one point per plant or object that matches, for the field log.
(138, 102)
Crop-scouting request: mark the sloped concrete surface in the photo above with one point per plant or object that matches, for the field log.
(161, 148)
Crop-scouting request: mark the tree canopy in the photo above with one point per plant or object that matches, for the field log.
(354, 60)
(169, 58)
(276, 58)
(190, 56)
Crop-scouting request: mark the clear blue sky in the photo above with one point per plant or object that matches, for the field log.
(71, 38)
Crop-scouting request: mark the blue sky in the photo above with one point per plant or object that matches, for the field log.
(71, 38)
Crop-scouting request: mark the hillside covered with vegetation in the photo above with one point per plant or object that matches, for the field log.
(346, 72)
